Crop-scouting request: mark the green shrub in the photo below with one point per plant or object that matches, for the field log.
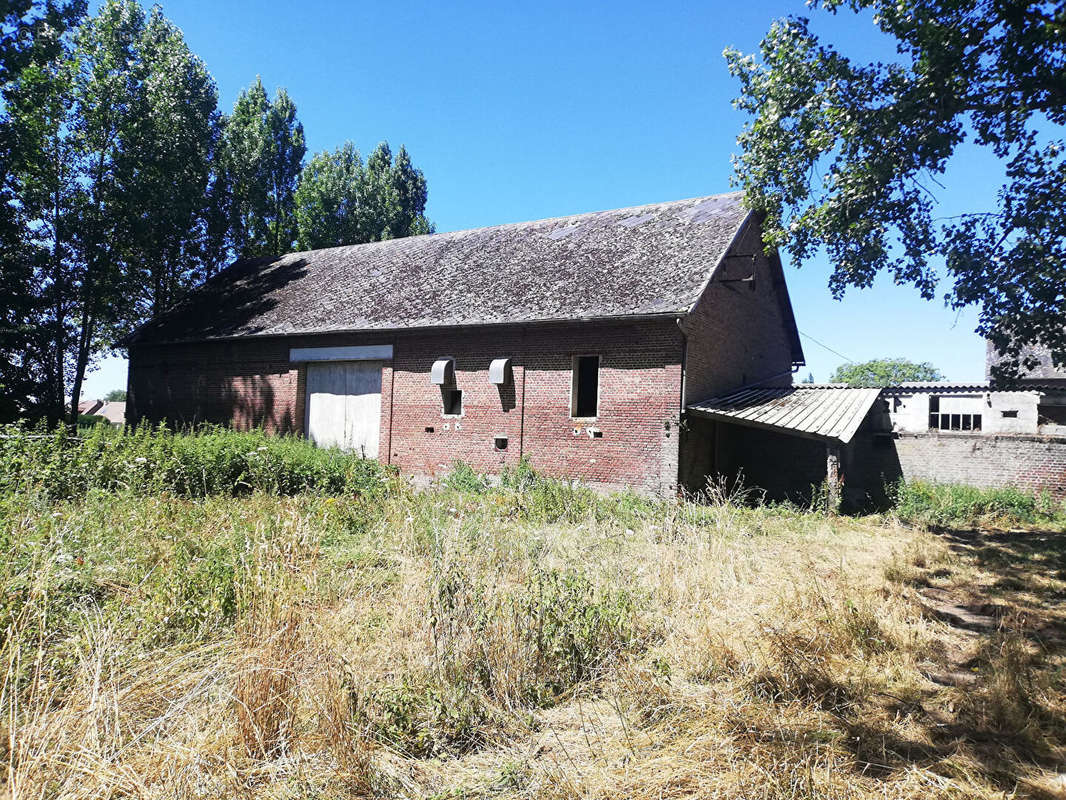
(463, 478)
(424, 719)
(574, 629)
(949, 505)
(207, 461)
(541, 499)
(530, 645)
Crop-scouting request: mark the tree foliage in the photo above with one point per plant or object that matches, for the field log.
(116, 126)
(32, 35)
(885, 372)
(339, 200)
(845, 156)
(122, 186)
(263, 153)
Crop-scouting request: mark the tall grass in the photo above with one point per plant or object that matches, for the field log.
(207, 461)
(940, 505)
(518, 638)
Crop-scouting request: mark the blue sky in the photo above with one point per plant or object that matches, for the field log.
(521, 111)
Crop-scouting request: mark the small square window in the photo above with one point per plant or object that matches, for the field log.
(451, 401)
(585, 389)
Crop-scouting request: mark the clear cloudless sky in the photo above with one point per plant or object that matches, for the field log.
(520, 111)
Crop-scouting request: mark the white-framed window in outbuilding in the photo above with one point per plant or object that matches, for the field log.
(961, 413)
(585, 387)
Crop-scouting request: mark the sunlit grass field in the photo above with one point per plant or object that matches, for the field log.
(239, 616)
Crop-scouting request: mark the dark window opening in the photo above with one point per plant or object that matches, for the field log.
(1051, 415)
(452, 400)
(586, 386)
(1010, 413)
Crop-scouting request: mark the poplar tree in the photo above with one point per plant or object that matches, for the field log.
(33, 36)
(143, 124)
(263, 151)
(116, 131)
(339, 200)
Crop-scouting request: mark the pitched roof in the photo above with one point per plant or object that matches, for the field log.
(89, 406)
(647, 260)
(114, 411)
(829, 412)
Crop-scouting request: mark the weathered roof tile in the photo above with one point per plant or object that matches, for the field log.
(651, 259)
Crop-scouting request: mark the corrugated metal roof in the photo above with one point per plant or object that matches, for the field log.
(973, 386)
(943, 386)
(832, 413)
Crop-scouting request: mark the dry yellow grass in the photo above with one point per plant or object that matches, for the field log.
(449, 644)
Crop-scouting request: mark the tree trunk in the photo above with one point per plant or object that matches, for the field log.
(58, 378)
(82, 363)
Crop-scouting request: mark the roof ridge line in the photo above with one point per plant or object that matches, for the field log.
(501, 225)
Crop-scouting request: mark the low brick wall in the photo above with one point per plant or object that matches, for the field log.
(1033, 463)
(786, 466)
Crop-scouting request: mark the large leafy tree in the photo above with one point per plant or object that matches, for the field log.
(339, 200)
(327, 203)
(845, 156)
(411, 191)
(32, 35)
(263, 151)
(170, 151)
(117, 132)
(143, 126)
(43, 173)
(885, 372)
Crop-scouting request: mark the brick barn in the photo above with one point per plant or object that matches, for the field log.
(574, 342)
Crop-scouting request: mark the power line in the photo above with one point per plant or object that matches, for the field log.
(827, 347)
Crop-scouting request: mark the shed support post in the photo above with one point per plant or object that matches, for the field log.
(832, 476)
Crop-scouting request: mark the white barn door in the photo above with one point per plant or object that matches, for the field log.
(344, 405)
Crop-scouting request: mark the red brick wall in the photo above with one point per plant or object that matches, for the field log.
(244, 384)
(737, 335)
(251, 383)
